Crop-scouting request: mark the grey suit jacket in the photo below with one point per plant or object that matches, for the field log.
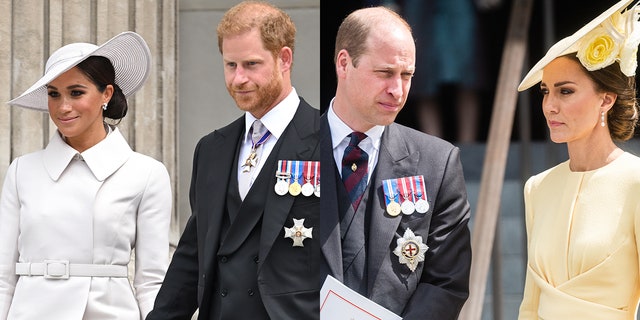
(440, 285)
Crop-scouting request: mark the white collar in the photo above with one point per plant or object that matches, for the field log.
(340, 130)
(103, 159)
(277, 119)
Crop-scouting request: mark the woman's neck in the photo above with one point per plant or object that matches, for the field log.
(592, 155)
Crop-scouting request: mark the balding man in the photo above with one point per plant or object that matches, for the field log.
(394, 207)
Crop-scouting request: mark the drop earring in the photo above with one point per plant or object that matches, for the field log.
(104, 106)
(602, 119)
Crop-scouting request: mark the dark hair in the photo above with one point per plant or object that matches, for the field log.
(622, 118)
(100, 71)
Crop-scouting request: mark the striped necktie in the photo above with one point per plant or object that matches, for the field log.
(355, 168)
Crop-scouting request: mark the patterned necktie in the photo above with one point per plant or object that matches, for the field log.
(259, 135)
(355, 168)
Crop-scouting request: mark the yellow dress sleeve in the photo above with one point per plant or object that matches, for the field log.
(529, 304)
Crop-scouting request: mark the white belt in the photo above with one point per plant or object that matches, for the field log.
(62, 269)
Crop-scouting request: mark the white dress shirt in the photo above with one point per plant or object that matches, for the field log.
(276, 121)
(340, 140)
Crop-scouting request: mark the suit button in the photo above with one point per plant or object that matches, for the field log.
(250, 292)
(224, 292)
(223, 259)
(256, 259)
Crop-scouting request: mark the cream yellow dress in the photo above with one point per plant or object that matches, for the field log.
(583, 240)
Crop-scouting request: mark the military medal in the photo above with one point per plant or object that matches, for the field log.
(283, 176)
(316, 177)
(410, 249)
(295, 188)
(393, 208)
(407, 205)
(422, 205)
(252, 159)
(298, 232)
(307, 187)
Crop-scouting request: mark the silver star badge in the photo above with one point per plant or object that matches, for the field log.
(410, 249)
(298, 232)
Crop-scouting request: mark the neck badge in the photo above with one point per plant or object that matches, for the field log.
(298, 232)
(252, 159)
(410, 249)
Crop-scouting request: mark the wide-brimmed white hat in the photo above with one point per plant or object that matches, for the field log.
(618, 36)
(128, 52)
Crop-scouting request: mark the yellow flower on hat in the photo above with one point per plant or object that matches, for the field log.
(598, 49)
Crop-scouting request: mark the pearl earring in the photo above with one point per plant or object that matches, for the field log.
(602, 119)
(104, 106)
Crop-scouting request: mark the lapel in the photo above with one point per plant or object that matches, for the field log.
(394, 161)
(329, 217)
(298, 142)
(210, 182)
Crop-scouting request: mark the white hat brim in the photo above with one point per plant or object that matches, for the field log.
(567, 45)
(128, 53)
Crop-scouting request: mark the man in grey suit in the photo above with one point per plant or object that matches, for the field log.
(250, 248)
(394, 208)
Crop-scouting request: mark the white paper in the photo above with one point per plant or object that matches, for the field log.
(339, 302)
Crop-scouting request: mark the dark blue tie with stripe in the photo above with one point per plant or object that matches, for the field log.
(355, 168)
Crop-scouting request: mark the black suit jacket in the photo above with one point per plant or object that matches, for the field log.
(440, 285)
(286, 289)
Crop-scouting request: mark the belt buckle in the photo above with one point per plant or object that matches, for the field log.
(56, 269)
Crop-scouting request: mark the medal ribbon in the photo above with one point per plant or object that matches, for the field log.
(289, 170)
(307, 170)
(389, 190)
(413, 191)
(420, 190)
(404, 190)
(298, 175)
(282, 165)
(255, 145)
(316, 178)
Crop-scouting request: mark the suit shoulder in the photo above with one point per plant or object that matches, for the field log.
(229, 129)
(423, 139)
(307, 110)
(307, 117)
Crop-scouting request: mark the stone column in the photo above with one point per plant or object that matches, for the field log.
(30, 30)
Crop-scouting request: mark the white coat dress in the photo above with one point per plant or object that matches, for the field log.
(88, 208)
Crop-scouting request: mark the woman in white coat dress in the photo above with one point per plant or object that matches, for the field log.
(72, 213)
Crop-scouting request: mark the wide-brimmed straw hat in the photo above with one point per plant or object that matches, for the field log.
(128, 53)
(611, 36)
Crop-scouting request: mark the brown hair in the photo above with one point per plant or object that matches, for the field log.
(276, 27)
(355, 28)
(622, 118)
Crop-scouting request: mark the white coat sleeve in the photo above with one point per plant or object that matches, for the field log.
(9, 231)
(152, 237)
